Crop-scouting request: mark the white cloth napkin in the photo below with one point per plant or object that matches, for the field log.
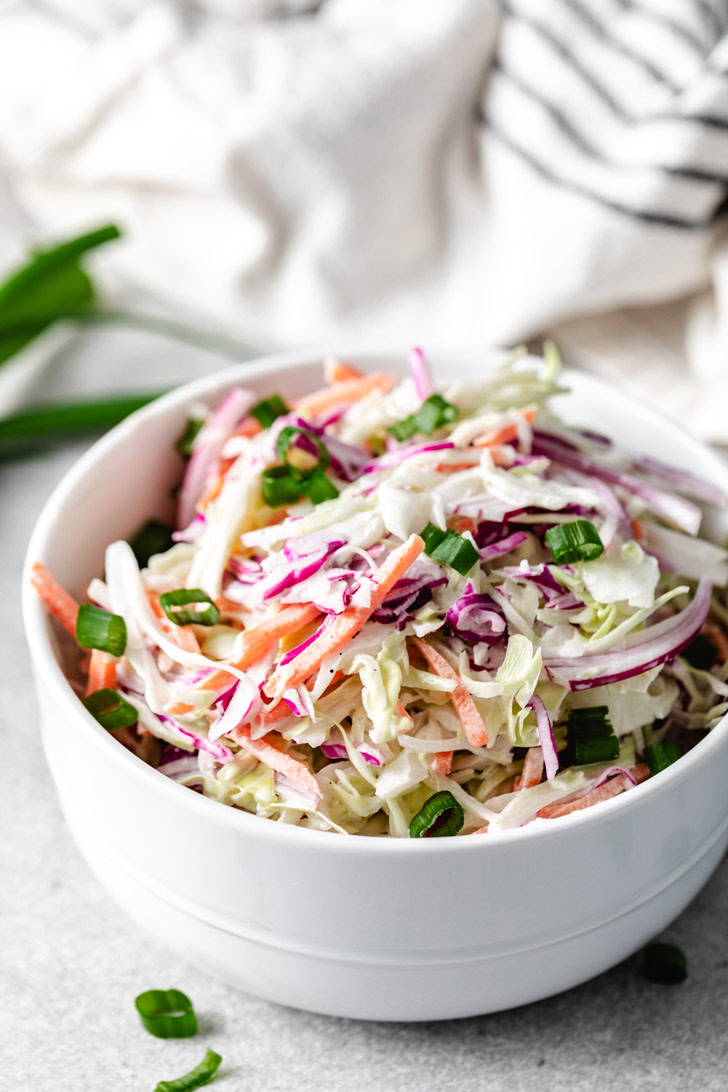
(431, 171)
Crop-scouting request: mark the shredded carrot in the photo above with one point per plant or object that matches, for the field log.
(505, 435)
(60, 603)
(637, 529)
(258, 640)
(351, 390)
(279, 761)
(250, 427)
(181, 635)
(453, 468)
(609, 789)
(464, 523)
(465, 707)
(336, 371)
(442, 762)
(532, 770)
(101, 672)
(347, 624)
(716, 635)
(481, 830)
(402, 712)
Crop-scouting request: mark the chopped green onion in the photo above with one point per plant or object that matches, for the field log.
(701, 653)
(456, 551)
(317, 487)
(659, 756)
(590, 737)
(434, 412)
(280, 486)
(168, 1014)
(153, 538)
(432, 536)
(200, 1075)
(439, 817)
(187, 439)
(451, 548)
(288, 434)
(110, 710)
(269, 410)
(665, 964)
(404, 429)
(170, 600)
(96, 628)
(576, 541)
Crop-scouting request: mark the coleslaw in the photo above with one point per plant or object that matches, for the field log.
(410, 609)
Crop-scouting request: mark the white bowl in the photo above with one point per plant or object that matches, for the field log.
(370, 928)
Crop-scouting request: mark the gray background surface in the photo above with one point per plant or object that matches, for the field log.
(71, 963)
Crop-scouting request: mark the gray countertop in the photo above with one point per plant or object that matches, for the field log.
(71, 963)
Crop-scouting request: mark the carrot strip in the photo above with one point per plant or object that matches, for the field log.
(464, 523)
(402, 712)
(258, 640)
(505, 435)
(248, 428)
(347, 624)
(716, 634)
(101, 672)
(279, 761)
(532, 770)
(352, 390)
(454, 468)
(607, 791)
(60, 603)
(442, 762)
(465, 707)
(336, 371)
(181, 635)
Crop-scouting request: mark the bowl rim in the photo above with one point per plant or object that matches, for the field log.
(48, 668)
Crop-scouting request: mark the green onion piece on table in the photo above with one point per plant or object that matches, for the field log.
(659, 756)
(200, 1075)
(168, 1014)
(439, 817)
(181, 597)
(153, 538)
(280, 486)
(96, 628)
(664, 963)
(576, 541)
(111, 710)
(269, 410)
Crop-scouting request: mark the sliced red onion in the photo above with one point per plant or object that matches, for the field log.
(287, 577)
(540, 575)
(307, 545)
(401, 454)
(292, 792)
(246, 571)
(180, 767)
(654, 646)
(217, 750)
(191, 533)
(611, 772)
(335, 751)
(243, 704)
(294, 652)
(420, 374)
(503, 546)
(474, 617)
(682, 480)
(371, 754)
(545, 736)
(674, 509)
(206, 451)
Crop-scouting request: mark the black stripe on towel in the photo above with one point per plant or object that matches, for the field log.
(600, 31)
(559, 47)
(547, 172)
(580, 141)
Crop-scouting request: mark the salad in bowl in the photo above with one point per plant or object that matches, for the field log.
(417, 608)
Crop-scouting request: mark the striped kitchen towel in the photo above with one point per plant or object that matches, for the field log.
(451, 171)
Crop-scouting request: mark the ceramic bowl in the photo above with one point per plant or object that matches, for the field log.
(380, 928)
